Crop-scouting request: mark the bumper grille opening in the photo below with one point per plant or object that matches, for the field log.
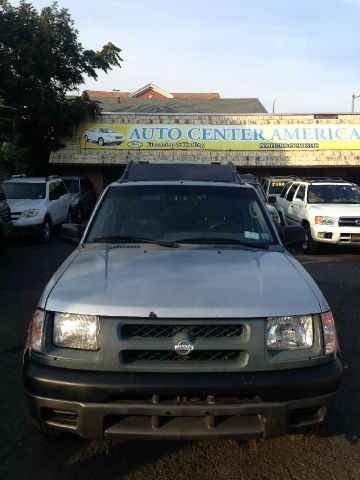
(60, 417)
(305, 416)
(132, 356)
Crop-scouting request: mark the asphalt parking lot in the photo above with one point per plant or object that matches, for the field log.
(26, 266)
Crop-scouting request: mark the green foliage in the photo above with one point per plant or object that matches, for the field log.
(41, 61)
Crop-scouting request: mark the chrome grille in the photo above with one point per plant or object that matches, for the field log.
(349, 222)
(168, 331)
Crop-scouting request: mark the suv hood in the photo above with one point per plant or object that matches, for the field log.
(182, 283)
(21, 204)
(337, 209)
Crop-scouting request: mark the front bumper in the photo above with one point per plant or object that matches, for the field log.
(26, 226)
(333, 234)
(181, 406)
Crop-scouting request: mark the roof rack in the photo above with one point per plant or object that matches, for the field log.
(52, 177)
(198, 172)
(322, 179)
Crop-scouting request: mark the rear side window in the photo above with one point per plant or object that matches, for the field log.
(284, 190)
(301, 193)
(291, 192)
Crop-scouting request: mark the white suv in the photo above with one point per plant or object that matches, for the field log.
(328, 209)
(37, 204)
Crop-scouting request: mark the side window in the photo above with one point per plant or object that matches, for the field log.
(291, 192)
(62, 189)
(284, 190)
(52, 191)
(301, 193)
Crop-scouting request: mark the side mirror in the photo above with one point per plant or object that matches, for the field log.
(272, 199)
(292, 235)
(71, 233)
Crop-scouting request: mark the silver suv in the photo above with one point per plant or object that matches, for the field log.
(37, 204)
(181, 315)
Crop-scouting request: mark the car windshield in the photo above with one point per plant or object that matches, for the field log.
(333, 194)
(106, 130)
(72, 185)
(175, 213)
(276, 186)
(29, 191)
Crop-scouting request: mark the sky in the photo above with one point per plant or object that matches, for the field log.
(300, 56)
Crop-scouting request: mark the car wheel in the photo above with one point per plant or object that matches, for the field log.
(86, 138)
(309, 246)
(46, 231)
(80, 215)
(100, 141)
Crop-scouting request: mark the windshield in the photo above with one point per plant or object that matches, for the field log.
(72, 185)
(333, 194)
(170, 213)
(29, 191)
(106, 130)
(276, 187)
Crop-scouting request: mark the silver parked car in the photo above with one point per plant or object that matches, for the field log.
(181, 315)
(83, 196)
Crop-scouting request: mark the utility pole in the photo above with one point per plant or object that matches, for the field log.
(274, 106)
(353, 102)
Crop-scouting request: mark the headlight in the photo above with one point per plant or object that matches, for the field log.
(289, 333)
(36, 331)
(30, 213)
(329, 331)
(324, 220)
(76, 331)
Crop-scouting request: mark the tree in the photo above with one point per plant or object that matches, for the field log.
(41, 61)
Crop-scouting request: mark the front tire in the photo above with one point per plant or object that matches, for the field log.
(46, 231)
(309, 246)
(101, 141)
(86, 138)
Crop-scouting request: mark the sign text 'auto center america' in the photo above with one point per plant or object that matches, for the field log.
(231, 137)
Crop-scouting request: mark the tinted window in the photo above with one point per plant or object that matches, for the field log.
(172, 213)
(333, 194)
(284, 190)
(29, 191)
(291, 192)
(301, 193)
(72, 185)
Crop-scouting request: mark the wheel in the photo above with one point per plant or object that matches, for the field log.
(309, 246)
(80, 215)
(46, 231)
(86, 138)
(46, 430)
(100, 141)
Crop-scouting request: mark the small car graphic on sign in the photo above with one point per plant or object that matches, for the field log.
(103, 136)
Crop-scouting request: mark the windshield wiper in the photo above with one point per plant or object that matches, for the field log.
(129, 239)
(223, 241)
